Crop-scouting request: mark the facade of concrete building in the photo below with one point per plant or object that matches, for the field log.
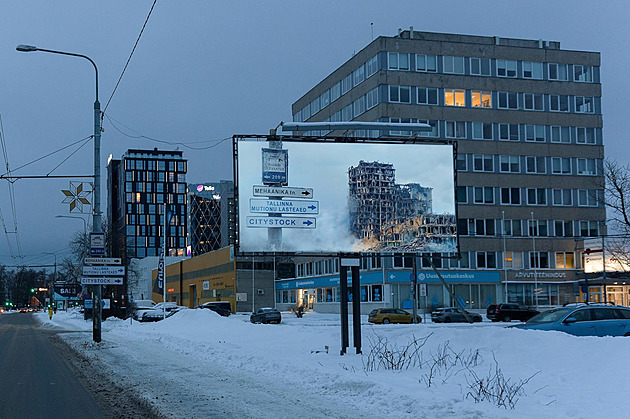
(139, 186)
(526, 118)
(211, 217)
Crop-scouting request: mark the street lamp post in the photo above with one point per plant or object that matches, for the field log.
(78, 218)
(96, 211)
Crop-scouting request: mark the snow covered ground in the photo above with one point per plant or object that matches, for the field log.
(198, 364)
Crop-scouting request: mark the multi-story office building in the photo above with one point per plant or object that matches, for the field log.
(526, 117)
(211, 217)
(140, 186)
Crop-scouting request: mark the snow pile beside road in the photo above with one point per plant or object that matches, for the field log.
(218, 364)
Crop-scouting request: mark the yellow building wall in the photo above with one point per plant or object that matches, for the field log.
(207, 277)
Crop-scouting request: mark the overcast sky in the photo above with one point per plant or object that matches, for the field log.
(204, 71)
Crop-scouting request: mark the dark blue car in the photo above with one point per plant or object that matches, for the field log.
(583, 320)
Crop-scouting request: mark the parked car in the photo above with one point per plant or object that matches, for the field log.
(221, 307)
(508, 312)
(266, 315)
(157, 312)
(585, 320)
(453, 314)
(138, 307)
(391, 315)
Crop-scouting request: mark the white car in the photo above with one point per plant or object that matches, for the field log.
(160, 311)
(138, 307)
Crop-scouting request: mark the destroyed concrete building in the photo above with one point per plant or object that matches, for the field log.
(377, 203)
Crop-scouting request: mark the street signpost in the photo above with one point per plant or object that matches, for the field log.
(283, 191)
(97, 244)
(283, 206)
(103, 270)
(101, 280)
(281, 222)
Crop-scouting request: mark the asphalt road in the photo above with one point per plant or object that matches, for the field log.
(35, 379)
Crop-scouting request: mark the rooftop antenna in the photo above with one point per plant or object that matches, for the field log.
(372, 27)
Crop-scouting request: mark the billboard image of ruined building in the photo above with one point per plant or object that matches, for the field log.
(386, 216)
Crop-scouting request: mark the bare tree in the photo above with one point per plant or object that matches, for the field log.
(616, 186)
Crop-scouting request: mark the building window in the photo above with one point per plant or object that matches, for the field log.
(399, 94)
(513, 260)
(453, 65)
(483, 163)
(559, 103)
(510, 164)
(507, 100)
(511, 196)
(584, 104)
(561, 165)
(512, 228)
(587, 198)
(535, 133)
(508, 132)
(532, 70)
(533, 102)
(346, 84)
(461, 163)
(562, 197)
(487, 260)
(371, 98)
(426, 63)
(560, 135)
(359, 75)
(536, 196)
(455, 129)
(506, 68)
(585, 135)
(397, 61)
(483, 195)
(462, 195)
(583, 73)
(565, 260)
(537, 228)
(454, 97)
(482, 131)
(586, 166)
(480, 66)
(427, 96)
(558, 72)
(484, 227)
(539, 260)
(589, 228)
(481, 99)
(563, 228)
(434, 128)
(371, 66)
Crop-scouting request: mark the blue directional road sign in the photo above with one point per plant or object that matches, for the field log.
(281, 222)
(104, 270)
(101, 280)
(283, 206)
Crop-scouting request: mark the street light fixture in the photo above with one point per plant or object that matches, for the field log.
(96, 211)
(78, 218)
(52, 285)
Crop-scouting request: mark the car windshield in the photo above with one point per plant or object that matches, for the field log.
(550, 316)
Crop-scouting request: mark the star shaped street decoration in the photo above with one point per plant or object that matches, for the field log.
(77, 196)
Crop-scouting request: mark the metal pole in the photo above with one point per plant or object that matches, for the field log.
(96, 210)
(536, 260)
(505, 278)
(343, 289)
(414, 289)
(356, 308)
(604, 269)
(164, 274)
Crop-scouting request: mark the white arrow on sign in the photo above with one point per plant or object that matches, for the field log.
(101, 280)
(281, 222)
(102, 261)
(104, 270)
(286, 192)
(283, 206)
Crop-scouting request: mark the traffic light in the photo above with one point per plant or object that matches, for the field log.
(33, 289)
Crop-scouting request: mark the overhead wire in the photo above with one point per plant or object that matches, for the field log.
(5, 154)
(130, 55)
(157, 140)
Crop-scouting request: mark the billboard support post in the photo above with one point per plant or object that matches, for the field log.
(274, 234)
(356, 308)
(343, 289)
(414, 285)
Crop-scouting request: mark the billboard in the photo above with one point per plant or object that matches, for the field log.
(338, 195)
